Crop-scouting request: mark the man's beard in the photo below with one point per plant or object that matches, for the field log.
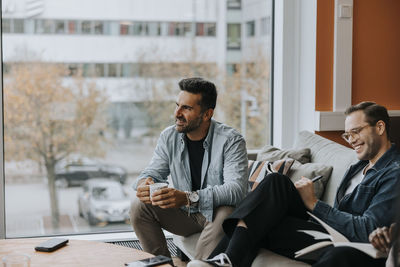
(190, 126)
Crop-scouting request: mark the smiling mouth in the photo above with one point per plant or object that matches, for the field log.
(357, 148)
(179, 122)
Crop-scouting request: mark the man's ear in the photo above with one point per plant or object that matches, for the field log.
(208, 114)
(381, 127)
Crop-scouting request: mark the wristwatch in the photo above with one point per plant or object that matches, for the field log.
(193, 198)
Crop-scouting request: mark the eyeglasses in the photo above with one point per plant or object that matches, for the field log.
(354, 133)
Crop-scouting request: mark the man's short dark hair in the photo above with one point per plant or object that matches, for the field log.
(373, 113)
(206, 88)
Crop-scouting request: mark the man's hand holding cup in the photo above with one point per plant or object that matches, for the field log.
(165, 197)
(143, 190)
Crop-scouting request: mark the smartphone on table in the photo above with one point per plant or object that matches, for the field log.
(51, 244)
(153, 261)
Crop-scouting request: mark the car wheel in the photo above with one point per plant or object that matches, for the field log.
(92, 220)
(62, 182)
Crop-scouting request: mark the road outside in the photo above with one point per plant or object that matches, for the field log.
(27, 200)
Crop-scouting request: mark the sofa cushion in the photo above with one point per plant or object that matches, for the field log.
(271, 153)
(327, 152)
(311, 170)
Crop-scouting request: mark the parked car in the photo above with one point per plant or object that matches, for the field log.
(103, 200)
(77, 171)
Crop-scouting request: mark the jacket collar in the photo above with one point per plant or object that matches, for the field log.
(386, 158)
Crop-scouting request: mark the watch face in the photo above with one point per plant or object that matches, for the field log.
(194, 197)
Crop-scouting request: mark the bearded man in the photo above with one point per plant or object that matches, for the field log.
(207, 164)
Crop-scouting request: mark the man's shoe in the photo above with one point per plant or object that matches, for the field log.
(221, 260)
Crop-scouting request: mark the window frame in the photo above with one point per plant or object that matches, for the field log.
(164, 30)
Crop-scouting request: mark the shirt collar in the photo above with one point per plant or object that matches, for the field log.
(208, 139)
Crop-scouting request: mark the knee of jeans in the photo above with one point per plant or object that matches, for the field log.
(137, 208)
(276, 178)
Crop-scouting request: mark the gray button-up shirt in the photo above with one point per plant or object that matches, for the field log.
(224, 169)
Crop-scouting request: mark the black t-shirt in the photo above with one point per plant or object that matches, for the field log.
(196, 154)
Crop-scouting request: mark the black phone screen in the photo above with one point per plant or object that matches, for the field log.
(153, 261)
(51, 244)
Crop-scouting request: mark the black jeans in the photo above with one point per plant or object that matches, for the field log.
(347, 257)
(273, 213)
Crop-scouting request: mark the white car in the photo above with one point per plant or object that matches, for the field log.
(103, 200)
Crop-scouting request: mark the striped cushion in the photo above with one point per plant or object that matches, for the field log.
(259, 169)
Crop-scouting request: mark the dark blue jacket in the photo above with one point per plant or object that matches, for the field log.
(370, 205)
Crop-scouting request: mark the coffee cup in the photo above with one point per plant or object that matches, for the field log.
(16, 260)
(156, 186)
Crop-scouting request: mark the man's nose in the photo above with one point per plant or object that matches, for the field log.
(177, 111)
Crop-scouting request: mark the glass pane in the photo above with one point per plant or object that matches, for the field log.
(19, 26)
(200, 29)
(266, 26)
(211, 29)
(250, 28)
(6, 26)
(98, 27)
(234, 36)
(72, 27)
(124, 28)
(60, 26)
(87, 94)
(99, 70)
(154, 28)
(138, 28)
(234, 4)
(86, 27)
(112, 70)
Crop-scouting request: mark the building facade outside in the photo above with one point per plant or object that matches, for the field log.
(131, 53)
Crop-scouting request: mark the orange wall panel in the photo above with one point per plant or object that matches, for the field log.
(376, 52)
(324, 55)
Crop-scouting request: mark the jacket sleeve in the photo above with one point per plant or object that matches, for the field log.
(379, 213)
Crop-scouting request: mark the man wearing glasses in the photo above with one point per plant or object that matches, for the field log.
(272, 215)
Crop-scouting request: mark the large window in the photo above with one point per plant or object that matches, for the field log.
(87, 93)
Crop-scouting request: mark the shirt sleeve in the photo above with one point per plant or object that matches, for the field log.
(158, 168)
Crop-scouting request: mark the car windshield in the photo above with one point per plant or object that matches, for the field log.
(108, 193)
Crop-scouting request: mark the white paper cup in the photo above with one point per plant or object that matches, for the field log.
(156, 186)
(16, 260)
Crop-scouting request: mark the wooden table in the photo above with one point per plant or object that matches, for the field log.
(75, 253)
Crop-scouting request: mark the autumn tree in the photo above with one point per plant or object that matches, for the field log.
(47, 117)
(250, 81)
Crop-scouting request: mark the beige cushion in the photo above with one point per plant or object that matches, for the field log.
(271, 153)
(301, 166)
(310, 170)
(327, 152)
